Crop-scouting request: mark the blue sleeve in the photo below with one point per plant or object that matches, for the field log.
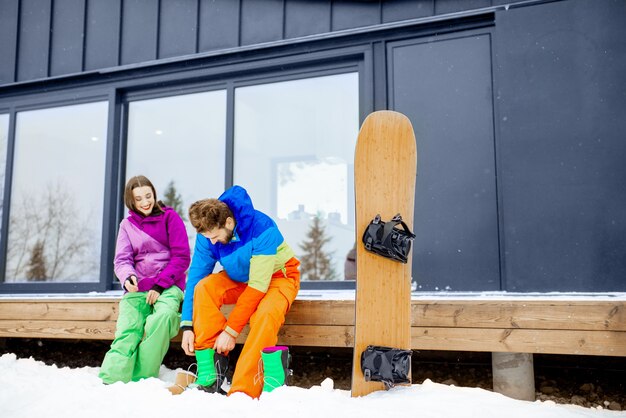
(202, 264)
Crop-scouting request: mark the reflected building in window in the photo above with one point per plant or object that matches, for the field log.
(294, 150)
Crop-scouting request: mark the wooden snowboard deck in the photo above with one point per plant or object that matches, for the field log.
(385, 166)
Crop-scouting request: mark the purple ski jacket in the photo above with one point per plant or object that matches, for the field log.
(153, 248)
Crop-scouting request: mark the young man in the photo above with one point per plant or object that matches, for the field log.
(260, 277)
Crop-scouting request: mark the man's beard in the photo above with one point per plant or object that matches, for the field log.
(229, 235)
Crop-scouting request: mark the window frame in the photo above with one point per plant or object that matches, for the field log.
(32, 104)
(156, 81)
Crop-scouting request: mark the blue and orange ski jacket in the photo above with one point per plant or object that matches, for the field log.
(256, 251)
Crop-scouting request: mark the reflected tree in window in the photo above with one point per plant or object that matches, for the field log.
(173, 199)
(315, 260)
(55, 237)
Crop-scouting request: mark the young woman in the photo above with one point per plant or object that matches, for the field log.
(151, 257)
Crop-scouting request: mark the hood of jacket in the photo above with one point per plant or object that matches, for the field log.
(240, 205)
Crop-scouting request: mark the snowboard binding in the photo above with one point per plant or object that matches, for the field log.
(384, 239)
(391, 366)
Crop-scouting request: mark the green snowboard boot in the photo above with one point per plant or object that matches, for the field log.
(275, 367)
(212, 368)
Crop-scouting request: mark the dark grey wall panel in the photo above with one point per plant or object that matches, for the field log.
(34, 39)
(350, 14)
(261, 21)
(102, 34)
(445, 88)
(8, 33)
(449, 6)
(219, 25)
(178, 28)
(68, 29)
(139, 30)
(407, 9)
(304, 17)
(562, 119)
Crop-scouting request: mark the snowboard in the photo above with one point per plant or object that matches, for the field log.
(385, 169)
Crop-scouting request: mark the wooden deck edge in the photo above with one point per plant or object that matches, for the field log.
(601, 343)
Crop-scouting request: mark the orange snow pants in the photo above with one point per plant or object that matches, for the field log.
(218, 289)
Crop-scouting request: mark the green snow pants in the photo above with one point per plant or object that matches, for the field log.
(142, 336)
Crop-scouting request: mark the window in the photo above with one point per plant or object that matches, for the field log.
(55, 218)
(179, 142)
(293, 151)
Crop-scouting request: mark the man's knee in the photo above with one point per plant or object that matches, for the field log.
(270, 311)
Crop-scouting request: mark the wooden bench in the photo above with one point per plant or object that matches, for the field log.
(512, 328)
(552, 325)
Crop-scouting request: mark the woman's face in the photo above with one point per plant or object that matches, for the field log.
(144, 199)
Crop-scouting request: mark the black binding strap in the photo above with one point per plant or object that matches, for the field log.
(383, 238)
(390, 366)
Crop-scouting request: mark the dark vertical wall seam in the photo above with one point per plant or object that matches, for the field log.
(50, 35)
(119, 38)
(197, 46)
(17, 41)
(84, 40)
(158, 30)
(239, 24)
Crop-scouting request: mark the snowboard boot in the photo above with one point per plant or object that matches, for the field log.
(275, 367)
(212, 368)
(183, 379)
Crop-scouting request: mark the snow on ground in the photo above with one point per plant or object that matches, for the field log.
(29, 388)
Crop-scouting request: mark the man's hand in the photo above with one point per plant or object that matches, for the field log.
(131, 284)
(224, 343)
(152, 297)
(187, 342)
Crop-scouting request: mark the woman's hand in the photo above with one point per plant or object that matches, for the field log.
(131, 284)
(152, 297)
(187, 342)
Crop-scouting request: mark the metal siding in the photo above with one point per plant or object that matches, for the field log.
(178, 28)
(34, 39)
(303, 17)
(139, 30)
(355, 13)
(261, 21)
(219, 25)
(68, 29)
(8, 33)
(562, 118)
(394, 11)
(445, 88)
(450, 6)
(102, 34)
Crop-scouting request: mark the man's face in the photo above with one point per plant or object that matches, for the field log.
(221, 235)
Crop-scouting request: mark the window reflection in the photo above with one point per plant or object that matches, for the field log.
(55, 221)
(4, 135)
(179, 144)
(294, 151)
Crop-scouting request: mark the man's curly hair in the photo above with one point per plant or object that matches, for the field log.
(208, 214)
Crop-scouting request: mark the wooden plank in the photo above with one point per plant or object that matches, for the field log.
(587, 315)
(601, 343)
(88, 330)
(60, 311)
